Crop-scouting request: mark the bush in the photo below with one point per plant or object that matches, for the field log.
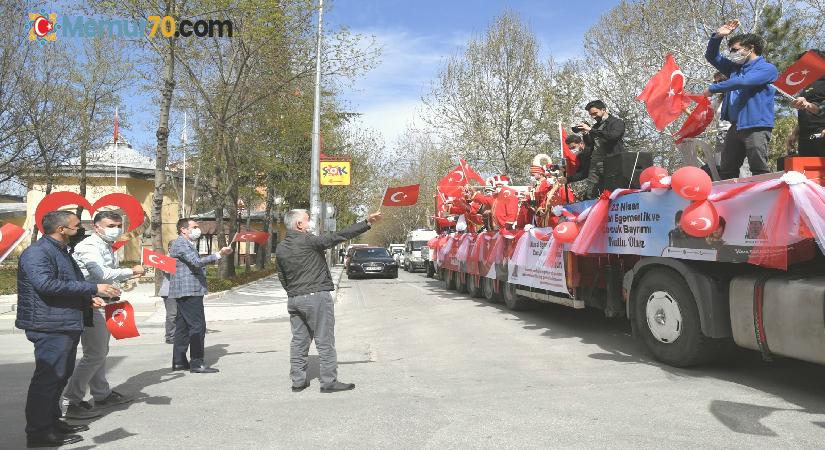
(214, 284)
(8, 280)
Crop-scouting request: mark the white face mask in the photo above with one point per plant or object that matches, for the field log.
(110, 234)
(739, 57)
(194, 234)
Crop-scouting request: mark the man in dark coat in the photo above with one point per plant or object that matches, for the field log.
(53, 300)
(305, 276)
(605, 137)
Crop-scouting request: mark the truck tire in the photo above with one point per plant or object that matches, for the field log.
(488, 292)
(668, 320)
(448, 276)
(513, 301)
(430, 269)
(473, 286)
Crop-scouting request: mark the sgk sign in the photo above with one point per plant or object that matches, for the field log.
(335, 173)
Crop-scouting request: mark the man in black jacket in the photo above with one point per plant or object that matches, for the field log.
(305, 276)
(52, 300)
(606, 139)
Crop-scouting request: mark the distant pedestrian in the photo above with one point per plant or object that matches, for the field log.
(98, 263)
(188, 287)
(303, 272)
(54, 304)
(170, 304)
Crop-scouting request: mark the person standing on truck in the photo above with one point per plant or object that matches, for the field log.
(606, 137)
(748, 102)
(304, 274)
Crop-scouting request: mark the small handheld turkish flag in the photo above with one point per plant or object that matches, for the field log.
(259, 237)
(401, 196)
(159, 260)
(697, 121)
(664, 94)
(120, 320)
(10, 237)
(807, 69)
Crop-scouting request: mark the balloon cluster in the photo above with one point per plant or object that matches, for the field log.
(700, 218)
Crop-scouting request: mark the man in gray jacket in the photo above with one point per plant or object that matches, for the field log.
(305, 276)
(188, 287)
(98, 262)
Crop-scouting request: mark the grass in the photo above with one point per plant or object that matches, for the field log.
(8, 280)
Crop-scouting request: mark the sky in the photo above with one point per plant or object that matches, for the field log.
(416, 37)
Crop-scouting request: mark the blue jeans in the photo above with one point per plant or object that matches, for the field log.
(54, 356)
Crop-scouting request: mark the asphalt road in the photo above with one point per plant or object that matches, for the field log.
(436, 369)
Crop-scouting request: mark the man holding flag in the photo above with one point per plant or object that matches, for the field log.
(749, 99)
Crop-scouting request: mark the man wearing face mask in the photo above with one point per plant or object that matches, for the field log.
(98, 262)
(303, 272)
(748, 102)
(606, 137)
(188, 287)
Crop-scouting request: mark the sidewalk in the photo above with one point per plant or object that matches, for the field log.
(264, 298)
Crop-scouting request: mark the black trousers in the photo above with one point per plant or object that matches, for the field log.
(190, 331)
(54, 358)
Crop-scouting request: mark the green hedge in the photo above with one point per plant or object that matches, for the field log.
(8, 280)
(214, 284)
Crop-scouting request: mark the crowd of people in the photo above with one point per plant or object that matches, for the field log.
(743, 98)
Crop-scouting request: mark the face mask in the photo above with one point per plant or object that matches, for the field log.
(77, 237)
(194, 234)
(739, 57)
(110, 234)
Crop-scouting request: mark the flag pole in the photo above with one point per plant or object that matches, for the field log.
(788, 96)
(116, 153)
(381, 203)
(185, 139)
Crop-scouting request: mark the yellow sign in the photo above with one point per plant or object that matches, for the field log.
(335, 173)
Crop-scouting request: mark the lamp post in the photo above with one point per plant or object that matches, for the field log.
(315, 168)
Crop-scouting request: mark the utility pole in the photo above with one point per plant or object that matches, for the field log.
(315, 180)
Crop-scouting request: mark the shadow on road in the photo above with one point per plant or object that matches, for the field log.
(796, 382)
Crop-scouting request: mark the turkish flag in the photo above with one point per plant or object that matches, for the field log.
(259, 237)
(401, 196)
(572, 158)
(117, 126)
(807, 69)
(664, 94)
(159, 260)
(453, 183)
(10, 237)
(697, 121)
(469, 173)
(120, 320)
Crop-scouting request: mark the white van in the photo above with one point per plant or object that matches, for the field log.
(416, 239)
(397, 252)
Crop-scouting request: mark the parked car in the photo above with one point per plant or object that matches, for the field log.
(371, 261)
(350, 249)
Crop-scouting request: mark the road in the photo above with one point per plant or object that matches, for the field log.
(435, 369)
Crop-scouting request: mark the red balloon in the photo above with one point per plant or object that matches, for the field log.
(691, 183)
(566, 232)
(699, 219)
(652, 173)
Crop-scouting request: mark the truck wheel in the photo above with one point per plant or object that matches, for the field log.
(513, 301)
(430, 270)
(473, 286)
(668, 320)
(488, 292)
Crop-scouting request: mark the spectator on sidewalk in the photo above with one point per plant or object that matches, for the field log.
(303, 272)
(98, 263)
(54, 304)
(188, 287)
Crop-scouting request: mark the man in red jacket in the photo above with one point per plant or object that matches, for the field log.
(503, 203)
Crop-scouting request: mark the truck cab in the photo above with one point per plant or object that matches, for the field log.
(416, 240)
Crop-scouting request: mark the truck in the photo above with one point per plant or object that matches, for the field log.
(396, 250)
(416, 240)
(688, 299)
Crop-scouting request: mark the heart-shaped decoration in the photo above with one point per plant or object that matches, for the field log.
(128, 204)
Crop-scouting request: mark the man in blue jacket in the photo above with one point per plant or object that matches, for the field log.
(748, 103)
(52, 300)
(188, 287)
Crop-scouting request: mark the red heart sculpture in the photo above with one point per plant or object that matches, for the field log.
(127, 203)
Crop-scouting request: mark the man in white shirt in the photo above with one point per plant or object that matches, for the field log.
(99, 264)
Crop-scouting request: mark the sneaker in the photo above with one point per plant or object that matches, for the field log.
(82, 411)
(113, 399)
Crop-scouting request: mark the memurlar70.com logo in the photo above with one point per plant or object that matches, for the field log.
(43, 28)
